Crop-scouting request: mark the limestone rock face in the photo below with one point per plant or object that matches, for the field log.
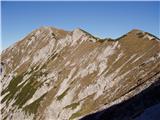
(54, 74)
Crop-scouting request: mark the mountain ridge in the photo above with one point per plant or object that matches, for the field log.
(80, 29)
(67, 75)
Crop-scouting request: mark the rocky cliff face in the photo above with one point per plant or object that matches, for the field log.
(54, 74)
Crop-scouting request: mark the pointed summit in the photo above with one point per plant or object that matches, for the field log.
(78, 31)
(58, 33)
(141, 35)
(135, 31)
(77, 34)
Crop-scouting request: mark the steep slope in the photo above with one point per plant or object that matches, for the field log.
(143, 106)
(60, 75)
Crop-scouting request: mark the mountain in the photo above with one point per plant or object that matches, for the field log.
(53, 74)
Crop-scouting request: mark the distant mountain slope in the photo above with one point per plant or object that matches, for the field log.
(54, 74)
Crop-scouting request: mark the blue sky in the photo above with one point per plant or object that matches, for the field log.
(102, 19)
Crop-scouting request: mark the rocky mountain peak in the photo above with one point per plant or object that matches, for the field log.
(142, 34)
(135, 31)
(58, 33)
(53, 74)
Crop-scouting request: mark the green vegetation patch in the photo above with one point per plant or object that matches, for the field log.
(75, 115)
(72, 106)
(12, 88)
(63, 94)
(33, 107)
(23, 92)
(27, 92)
(101, 41)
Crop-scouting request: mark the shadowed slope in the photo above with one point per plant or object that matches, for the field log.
(132, 108)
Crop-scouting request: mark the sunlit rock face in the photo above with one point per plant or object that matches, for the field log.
(54, 74)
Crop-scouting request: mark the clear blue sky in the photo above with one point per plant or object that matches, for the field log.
(102, 19)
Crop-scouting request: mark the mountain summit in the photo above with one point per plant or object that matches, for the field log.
(53, 74)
